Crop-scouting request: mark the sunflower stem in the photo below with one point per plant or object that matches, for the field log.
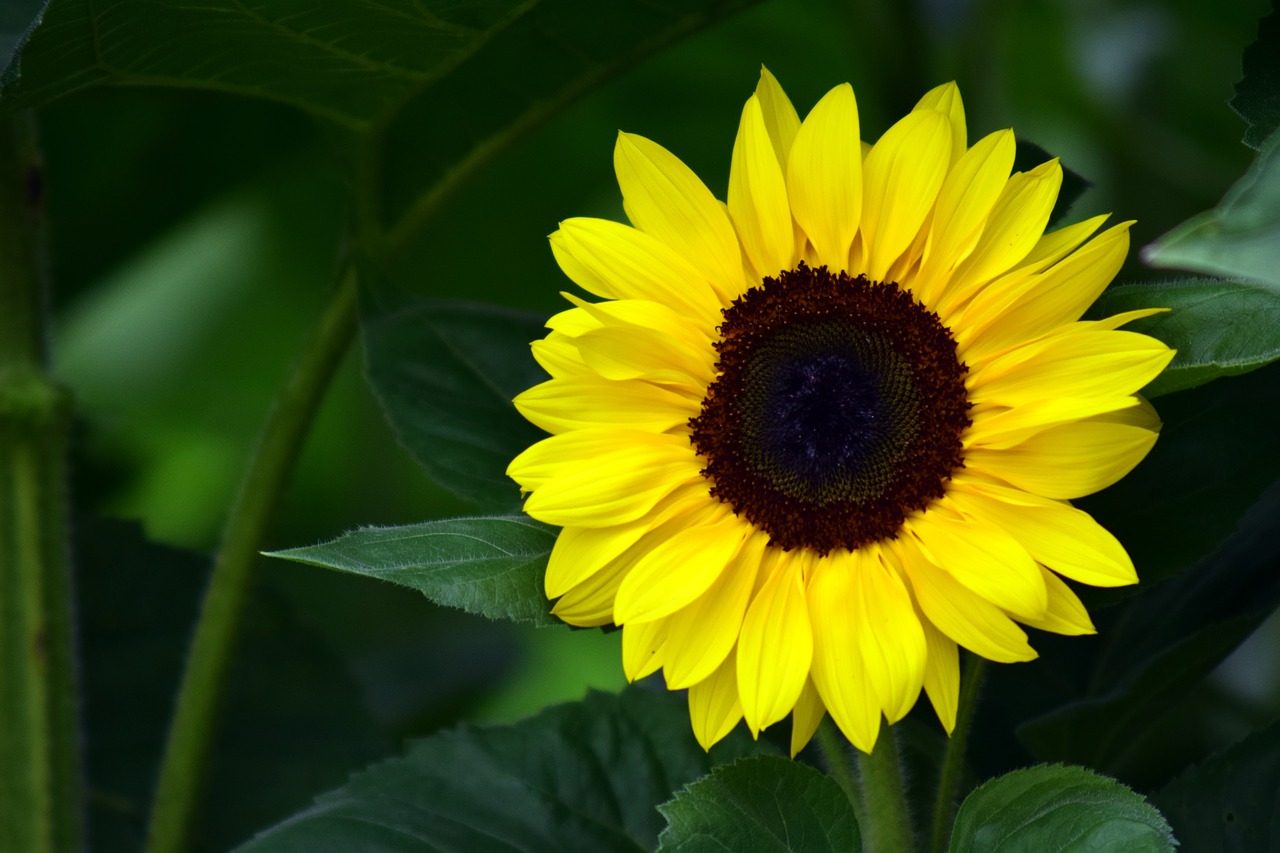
(839, 758)
(191, 732)
(41, 784)
(953, 762)
(886, 823)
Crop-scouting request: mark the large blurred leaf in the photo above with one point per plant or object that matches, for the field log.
(583, 776)
(445, 373)
(292, 714)
(17, 18)
(1240, 238)
(443, 84)
(1056, 809)
(762, 804)
(1257, 98)
(492, 566)
(1219, 328)
(1232, 800)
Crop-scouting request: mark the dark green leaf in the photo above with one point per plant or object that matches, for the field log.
(1057, 809)
(580, 777)
(1240, 238)
(1257, 98)
(1232, 800)
(491, 566)
(445, 373)
(1029, 155)
(766, 803)
(17, 19)
(1219, 328)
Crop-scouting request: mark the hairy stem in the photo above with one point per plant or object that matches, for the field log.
(953, 762)
(887, 825)
(41, 784)
(182, 767)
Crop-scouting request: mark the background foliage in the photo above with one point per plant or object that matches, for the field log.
(199, 168)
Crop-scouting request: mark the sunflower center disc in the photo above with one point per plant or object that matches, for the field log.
(838, 409)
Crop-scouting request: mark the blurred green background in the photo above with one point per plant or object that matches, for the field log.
(193, 240)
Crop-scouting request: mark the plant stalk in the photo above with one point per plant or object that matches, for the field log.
(183, 766)
(887, 824)
(953, 762)
(41, 780)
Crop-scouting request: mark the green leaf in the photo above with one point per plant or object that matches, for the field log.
(1219, 328)
(766, 803)
(492, 566)
(1029, 155)
(17, 19)
(445, 374)
(1057, 809)
(1240, 238)
(1231, 801)
(1257, 98)
(579, 777)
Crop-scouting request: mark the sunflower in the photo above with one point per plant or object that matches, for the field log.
(819, 436)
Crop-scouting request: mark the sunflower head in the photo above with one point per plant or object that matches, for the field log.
(818, 436)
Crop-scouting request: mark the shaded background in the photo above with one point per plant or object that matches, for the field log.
(193, 239)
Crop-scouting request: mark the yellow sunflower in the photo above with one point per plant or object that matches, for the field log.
(817, 437)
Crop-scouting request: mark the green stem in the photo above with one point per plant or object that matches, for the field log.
(887, 828)
(41, 784)
(953, 763)
(836, 750)
(182, 768)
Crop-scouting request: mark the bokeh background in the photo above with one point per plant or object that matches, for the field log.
(193, 239)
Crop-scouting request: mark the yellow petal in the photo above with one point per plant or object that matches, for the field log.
(558, 355)
(775, 648)
(998, 428)
(630, 352)
(946, 100)
(589, 604)
(901, 177)
(941, 674)
(1056, 534)
(780, 117)
(983, 558)
(1068, 461)
(663, 197)
(560, 454)
(616, 261)
(704, 633)
(642, 648)
(1053, 246)
(580, 552)
(587, 402)
(614, 487)
(806, 717)
(824, 176)
(714, 708)
(1066, 614)
(963, 206)
(838, 671)
(1016, 223)
(681, 567)
(958, 612)
(889, 638)
(758, 196)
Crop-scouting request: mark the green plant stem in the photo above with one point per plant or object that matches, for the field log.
(182, 767)
(41, 785)
(953, 761)
(836, 751)
(887, 825)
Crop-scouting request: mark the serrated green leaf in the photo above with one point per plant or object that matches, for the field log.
(492, 566)
(445, 374)
(762, 804)
(585, 776)
(1232, 800)
(1257, 97)
(1219, 328)
(1238, 239)
(1057, 809)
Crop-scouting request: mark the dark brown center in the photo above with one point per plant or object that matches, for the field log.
(837, 411)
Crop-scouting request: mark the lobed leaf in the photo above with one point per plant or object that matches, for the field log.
(492, 566)
(765, 803)
(1219, 328)
(582, 776)
(1057, 809)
